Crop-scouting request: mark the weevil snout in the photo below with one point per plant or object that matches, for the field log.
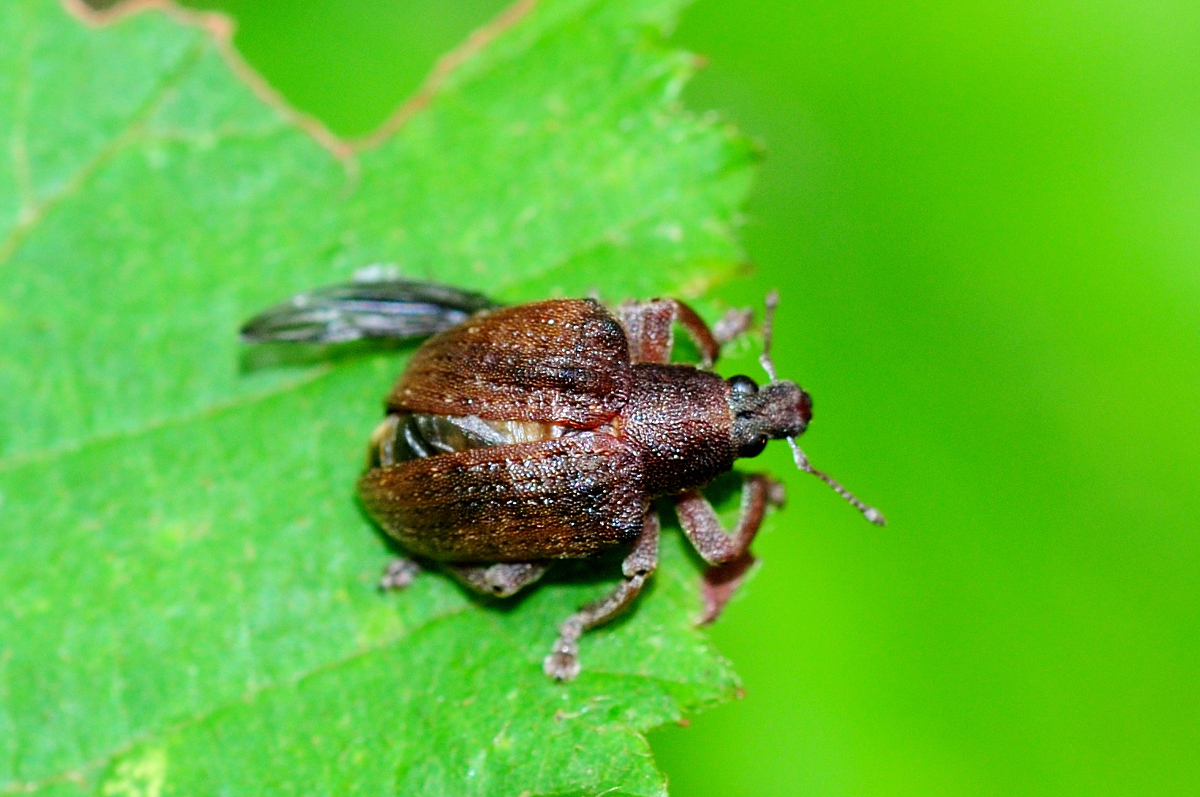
(778, 410)
(804, 406)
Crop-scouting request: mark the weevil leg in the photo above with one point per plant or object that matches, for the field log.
(399, 574)
(563, 662)
(703, 527)
(649, 329)
(501, 580)
(728, 554)
(731, 326)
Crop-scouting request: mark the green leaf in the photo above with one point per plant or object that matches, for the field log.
(187, 601)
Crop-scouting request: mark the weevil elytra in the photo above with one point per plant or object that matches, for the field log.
(526, 434)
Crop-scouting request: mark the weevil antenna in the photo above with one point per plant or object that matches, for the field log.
(764, 359)
(869, 512)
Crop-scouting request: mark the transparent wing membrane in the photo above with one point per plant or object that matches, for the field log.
(386, 309)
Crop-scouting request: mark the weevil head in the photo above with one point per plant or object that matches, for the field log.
(781, 410)
(778, 410)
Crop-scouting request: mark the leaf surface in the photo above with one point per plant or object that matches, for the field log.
(187, 599)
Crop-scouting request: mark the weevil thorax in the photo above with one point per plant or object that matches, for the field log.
(778, 410)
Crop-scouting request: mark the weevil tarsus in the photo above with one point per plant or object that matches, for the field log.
(399, 574)
(500, 580)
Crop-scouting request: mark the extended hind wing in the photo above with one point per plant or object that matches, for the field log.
(390, 309)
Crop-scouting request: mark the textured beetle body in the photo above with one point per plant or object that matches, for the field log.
(678, 418)
(628, 433)
(521, 435)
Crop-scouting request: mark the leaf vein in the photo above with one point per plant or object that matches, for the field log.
(17, 148)
(15, 461)
(602, 239)
(33, 213)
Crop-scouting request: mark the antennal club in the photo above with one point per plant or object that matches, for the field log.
(869, 512)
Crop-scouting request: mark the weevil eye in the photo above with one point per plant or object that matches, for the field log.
(742, 384)
(753, 448)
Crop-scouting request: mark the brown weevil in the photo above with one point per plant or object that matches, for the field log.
(525, 434)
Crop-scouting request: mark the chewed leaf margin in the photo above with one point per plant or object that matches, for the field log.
(220, 27)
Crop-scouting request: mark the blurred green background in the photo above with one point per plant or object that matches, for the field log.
(985, 223)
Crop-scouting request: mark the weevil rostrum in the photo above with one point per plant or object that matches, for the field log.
(526, 434)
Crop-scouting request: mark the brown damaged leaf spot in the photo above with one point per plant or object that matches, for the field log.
(221, 28)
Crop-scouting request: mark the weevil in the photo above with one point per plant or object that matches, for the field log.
(526, 434)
